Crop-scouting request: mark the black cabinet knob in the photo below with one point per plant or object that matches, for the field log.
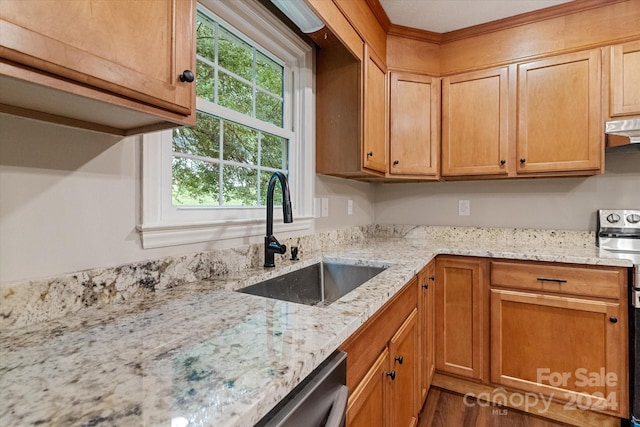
(502, 162)
(186, 76)
(432, 278)
(370, 154)
(399, 359)
(425, 286)
(613, 319)
(523, 160)
(392, 375)
(395, 162)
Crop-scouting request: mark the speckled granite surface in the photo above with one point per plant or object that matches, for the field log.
(190, 350)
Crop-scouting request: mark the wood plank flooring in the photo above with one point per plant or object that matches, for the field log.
(444, 408)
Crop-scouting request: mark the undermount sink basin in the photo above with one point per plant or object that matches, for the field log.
(317, 284)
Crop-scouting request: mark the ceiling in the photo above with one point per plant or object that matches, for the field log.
(441, 16)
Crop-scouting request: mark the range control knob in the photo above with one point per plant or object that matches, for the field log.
(633, 218)
(613, 218)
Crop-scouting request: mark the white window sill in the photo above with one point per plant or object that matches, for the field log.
(166, 234)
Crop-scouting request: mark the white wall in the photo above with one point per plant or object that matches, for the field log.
(70, 200)
(552, 203)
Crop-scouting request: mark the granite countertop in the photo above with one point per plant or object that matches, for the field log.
(203, 355)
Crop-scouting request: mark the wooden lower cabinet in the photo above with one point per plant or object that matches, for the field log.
(403, 387)
(560, 330)
(426, 329)
(460, 316)
(383, 365)
(367, 403)
(535, 330)
(563, 347)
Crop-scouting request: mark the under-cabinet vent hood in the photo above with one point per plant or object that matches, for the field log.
(623, 133)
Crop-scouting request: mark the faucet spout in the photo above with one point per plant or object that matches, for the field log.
(271, 245)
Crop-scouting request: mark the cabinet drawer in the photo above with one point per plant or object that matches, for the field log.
(602, 282)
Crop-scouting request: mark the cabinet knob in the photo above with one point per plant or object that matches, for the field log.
(613, 319)
(186, 76)
(370, 154)
(392, 375)
(502, 162)
(432, 278)
(395, 162)
(523, 160)
(425, 286)
(399, 359)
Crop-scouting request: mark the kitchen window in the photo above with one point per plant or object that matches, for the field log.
(255, 116)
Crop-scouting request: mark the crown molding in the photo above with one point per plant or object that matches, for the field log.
(526, 18)
(575, 6)
(415, 34)
(380, 14)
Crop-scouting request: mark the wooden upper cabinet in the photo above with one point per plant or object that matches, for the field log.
(414, 123)
(374, 146)
(129, 54)
(559, 114)
(624, 79)
(475, 123)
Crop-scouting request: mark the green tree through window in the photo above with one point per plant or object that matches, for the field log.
(221, 162)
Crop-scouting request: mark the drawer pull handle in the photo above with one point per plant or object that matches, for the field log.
(392, 375)
(399, 359)
(546, 279)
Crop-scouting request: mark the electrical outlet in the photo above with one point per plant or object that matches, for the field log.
(464, 207)
(350, 207)
(325, 206)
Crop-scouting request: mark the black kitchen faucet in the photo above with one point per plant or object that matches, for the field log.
(271, 244)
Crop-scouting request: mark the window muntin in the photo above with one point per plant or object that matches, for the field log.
(222, 162)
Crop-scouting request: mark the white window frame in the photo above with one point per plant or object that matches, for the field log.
(163, 224)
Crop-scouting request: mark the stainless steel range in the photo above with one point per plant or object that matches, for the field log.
(618, 236)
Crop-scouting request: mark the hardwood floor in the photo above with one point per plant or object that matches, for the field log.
(444, 408)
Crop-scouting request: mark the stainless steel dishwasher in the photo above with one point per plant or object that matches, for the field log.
(318, 401)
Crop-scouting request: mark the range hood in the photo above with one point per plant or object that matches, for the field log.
(623, 133)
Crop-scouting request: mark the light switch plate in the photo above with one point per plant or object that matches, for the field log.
(350, 207)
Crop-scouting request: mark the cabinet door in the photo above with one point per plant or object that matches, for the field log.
(475, 120)
(374, 144)
(403, 390)
(625, 79)
(426, 329)
(559, 119)
(459, 329)
(414, 122)
(563, 347)
(367, 403)
(133, 49)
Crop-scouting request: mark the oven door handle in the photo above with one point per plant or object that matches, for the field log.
(338, 414)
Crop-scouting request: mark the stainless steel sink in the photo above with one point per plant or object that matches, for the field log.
(318, 284)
